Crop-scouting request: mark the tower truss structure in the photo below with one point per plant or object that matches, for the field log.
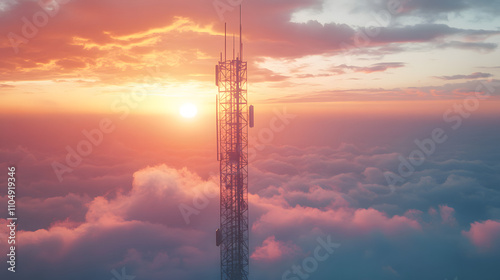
(232, 152)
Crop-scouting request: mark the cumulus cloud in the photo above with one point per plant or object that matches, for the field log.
(142, 228)
(272, 250)
(484, 235)
(344, 220)
(447, 215)
(113, 212)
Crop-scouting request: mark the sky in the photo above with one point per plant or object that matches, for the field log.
(374, 154)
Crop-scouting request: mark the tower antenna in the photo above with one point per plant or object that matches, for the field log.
(234, 117)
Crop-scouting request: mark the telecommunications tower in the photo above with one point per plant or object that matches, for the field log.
(234, 117)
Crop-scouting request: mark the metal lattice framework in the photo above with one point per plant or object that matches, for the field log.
(232, 144)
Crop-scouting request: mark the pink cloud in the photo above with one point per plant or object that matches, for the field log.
(272, 250)
(484, 235)
(275, 216)
(432, 211)
(144, 227)
(414, 214)
(371, 219)
(447, 215)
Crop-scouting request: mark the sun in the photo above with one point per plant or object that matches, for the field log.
(188, 110)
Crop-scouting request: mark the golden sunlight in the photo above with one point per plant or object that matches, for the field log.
(188, 110)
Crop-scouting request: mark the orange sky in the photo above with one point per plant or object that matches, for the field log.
(90, 56)
(347, 93)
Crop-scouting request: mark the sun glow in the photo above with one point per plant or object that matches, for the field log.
(188, 110)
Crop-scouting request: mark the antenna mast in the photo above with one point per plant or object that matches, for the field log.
(232, 126)
(241, 44)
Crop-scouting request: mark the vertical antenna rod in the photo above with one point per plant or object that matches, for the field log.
(225, 41)
(241, 44)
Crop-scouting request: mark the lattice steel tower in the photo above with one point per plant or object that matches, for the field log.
(234, 117)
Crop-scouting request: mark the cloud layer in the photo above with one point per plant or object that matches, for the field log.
(162, 221)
